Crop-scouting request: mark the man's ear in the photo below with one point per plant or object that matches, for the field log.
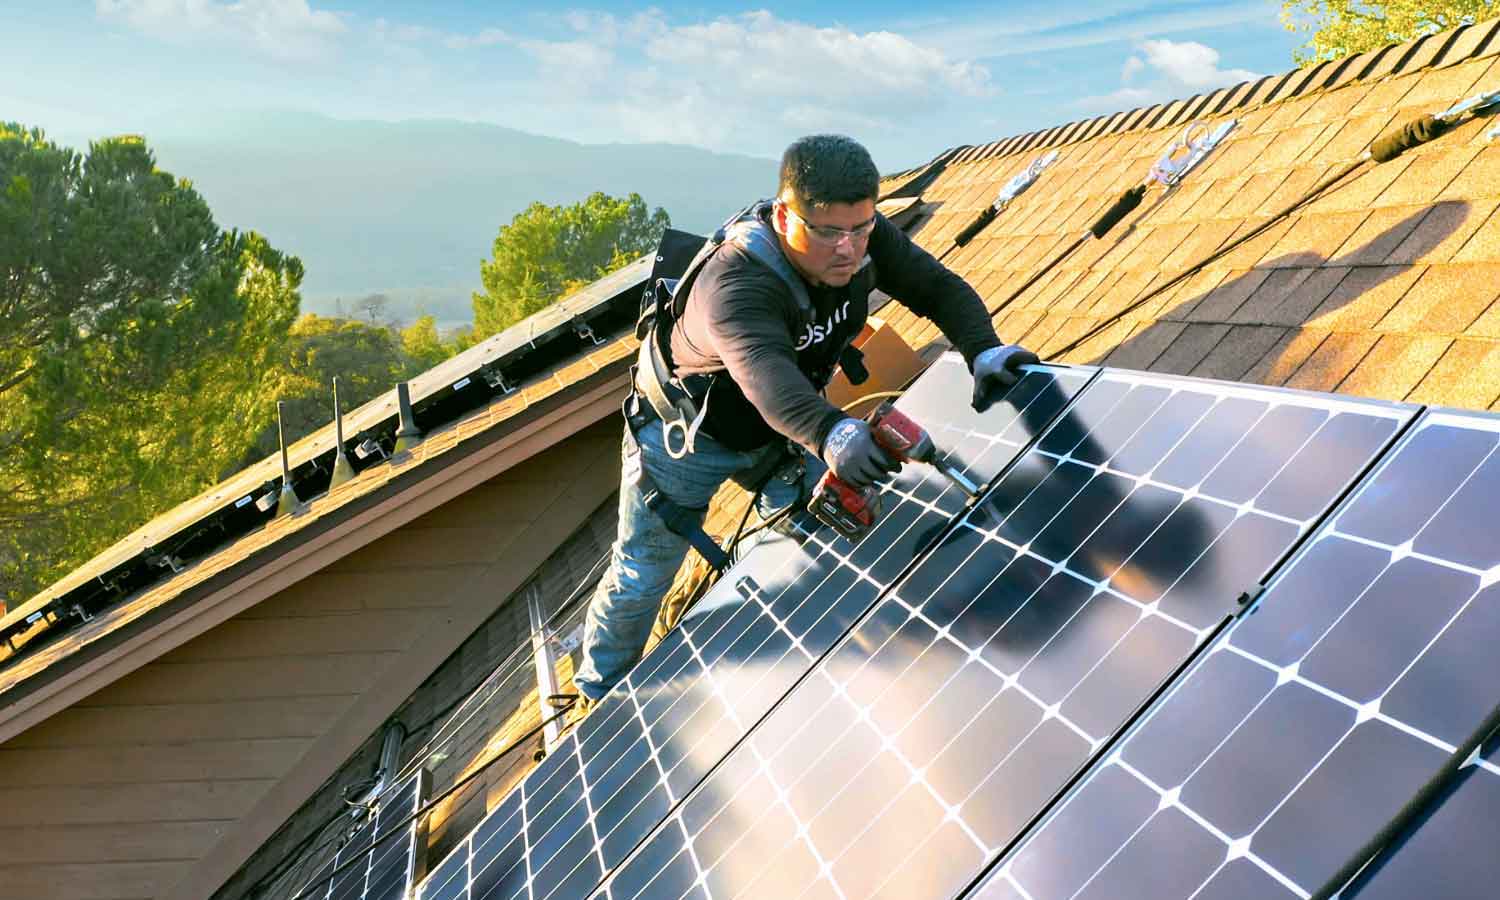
(778, 216)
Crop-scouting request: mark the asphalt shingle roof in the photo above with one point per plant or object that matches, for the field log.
(1384, 287)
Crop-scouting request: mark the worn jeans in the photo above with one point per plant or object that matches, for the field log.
(646, 555)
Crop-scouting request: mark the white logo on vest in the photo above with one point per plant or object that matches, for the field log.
(816, 334)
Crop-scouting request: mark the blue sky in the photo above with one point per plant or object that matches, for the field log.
(909, 79)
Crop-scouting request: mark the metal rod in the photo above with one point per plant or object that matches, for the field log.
(546, 666)
(958, 478)
(408, 435)
(287, 503)
(342, 470)
(286, 472)
(338, 418)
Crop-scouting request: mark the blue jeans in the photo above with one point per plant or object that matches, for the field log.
(646, 555)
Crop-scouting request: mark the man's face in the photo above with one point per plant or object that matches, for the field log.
(825, 244)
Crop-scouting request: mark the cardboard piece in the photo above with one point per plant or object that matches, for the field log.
(892, 364)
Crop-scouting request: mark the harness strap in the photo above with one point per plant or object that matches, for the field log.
(684, 523)
(679, 520)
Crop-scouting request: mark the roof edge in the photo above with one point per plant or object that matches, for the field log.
(123, 648)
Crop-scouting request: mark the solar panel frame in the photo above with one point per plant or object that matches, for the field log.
(1128, 420)
(568, 831)
(391, 869)
(1325, 648)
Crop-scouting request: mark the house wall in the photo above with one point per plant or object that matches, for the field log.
(123, 795)
(447, 735)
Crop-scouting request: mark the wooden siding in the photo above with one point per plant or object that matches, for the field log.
(124, 794)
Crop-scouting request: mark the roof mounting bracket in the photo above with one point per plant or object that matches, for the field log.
(496, 380)
(1023, 180)
(1493, 134)
(163, 560)
(1474, 104)
(1196, 143)
(583, 330)
(370, 447)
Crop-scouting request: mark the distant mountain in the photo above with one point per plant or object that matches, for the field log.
(410, 208)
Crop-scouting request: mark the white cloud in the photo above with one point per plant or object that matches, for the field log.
(746, 82)
(285, 29)
(1192, 64)
(987, 35)
(586, 60)
(758, 51)
(486, 37)
(1173, 69)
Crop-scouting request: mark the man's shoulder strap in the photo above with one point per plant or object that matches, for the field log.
(748, 231)
(752, 234)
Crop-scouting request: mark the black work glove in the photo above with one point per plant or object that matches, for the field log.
(852, 454)
(996, 370)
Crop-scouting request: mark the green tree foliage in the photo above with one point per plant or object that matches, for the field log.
(135, 339)
(1339, 28)
(424, 346)
(366, 358)
(548, 251)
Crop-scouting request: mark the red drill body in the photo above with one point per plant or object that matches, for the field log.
(851, 511)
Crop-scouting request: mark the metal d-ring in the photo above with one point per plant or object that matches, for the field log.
(666, 437)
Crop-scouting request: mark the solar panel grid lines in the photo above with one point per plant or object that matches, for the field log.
(924, 484)
(1297, 735)
(389, 869)
(932, 735)
(730, 661)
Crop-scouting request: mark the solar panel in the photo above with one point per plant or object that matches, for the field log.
(1366, 663)
(951, 715)
(652, 740)
(387, 871)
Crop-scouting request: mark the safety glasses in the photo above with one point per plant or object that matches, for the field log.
(832, 235)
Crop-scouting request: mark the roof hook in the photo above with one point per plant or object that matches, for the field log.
(1475, 104)
(1013, 188)
(1023, 180)
(1193, 147)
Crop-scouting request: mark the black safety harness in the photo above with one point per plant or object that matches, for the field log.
(682, 402)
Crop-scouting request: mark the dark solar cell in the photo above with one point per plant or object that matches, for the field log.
(1038, 620)
(382, 872)
(1304, 729)
(606, 786)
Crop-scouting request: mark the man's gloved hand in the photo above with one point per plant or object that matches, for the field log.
(996, 369)
(852, 454)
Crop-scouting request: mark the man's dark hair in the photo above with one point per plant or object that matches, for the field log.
(821, 169)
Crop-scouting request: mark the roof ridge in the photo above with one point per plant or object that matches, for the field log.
(1433, 51)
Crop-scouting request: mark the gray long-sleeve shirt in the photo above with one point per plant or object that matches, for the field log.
(742, 319)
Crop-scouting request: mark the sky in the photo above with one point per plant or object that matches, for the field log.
(909, 80)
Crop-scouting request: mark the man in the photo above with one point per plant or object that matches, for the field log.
(768, 314)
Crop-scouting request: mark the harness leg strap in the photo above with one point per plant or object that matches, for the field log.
(684, 523)
(681, 522)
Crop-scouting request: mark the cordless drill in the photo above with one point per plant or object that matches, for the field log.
(851, 511)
